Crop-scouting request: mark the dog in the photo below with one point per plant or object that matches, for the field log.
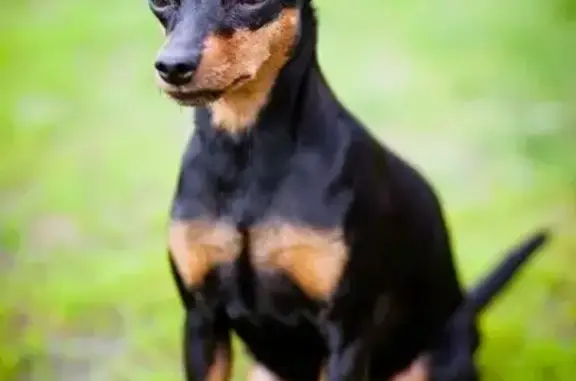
(291, 225)
(452, 357)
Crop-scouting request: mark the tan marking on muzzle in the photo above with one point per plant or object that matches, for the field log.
(257, 55)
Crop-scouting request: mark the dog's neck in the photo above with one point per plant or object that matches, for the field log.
(296, 136)
(300, 75)
(296, 94)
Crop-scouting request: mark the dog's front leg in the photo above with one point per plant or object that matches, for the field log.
(346, 361)
(207, 349)
(351, 329)
(196, 248)
(348, 348)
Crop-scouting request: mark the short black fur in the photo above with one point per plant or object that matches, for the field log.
(307, 160)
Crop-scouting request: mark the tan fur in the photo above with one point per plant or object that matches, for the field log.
(418, 371)
(313, 258)
(198, 246)
(323, 376)
(221, 367)
(253, 57)
(259, 372)
(258, 54)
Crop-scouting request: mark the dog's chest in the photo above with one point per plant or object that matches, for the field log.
(273, 266)
(259, 223)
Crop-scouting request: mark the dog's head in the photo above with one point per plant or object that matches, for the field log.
(224, 53)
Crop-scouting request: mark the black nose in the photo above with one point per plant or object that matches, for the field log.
(175, 70)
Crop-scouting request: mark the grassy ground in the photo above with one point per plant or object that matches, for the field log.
(475, 94)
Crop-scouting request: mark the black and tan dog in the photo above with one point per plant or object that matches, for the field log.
(292, 226)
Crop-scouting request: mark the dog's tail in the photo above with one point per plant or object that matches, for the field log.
(482, 294)
(461, 337)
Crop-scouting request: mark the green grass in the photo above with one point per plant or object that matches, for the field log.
(478, 95)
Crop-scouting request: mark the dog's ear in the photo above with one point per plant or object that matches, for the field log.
(492, 285)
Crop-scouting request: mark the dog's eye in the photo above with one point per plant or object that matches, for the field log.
(163, 4)
(227, 4)
(251, 2)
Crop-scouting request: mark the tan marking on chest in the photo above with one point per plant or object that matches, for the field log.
(258, 55)
(221, 367)
(198, 246)
(314, 258)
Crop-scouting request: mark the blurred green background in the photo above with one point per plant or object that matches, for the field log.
(479, 94)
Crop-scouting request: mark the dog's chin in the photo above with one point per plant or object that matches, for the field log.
(202, 97)
(195, 98)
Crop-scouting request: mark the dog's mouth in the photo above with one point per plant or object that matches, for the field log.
(202, 97)
(195, 98)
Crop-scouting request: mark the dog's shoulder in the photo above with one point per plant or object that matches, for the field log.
(382, 174)
(394, 197)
